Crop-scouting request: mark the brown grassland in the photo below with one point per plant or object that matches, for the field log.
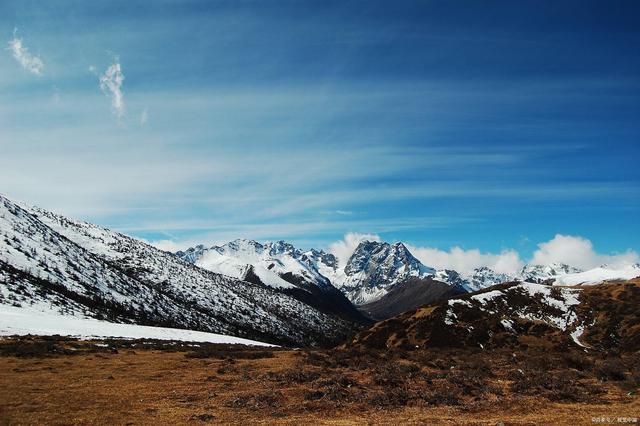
(65, 381)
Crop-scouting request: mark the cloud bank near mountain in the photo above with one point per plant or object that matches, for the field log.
(573, 250)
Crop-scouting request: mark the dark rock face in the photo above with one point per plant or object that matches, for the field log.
(409, 295)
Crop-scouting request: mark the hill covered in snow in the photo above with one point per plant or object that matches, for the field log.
(54, 264)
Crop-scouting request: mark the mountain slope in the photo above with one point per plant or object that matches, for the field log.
(51, 263)
(519, 314)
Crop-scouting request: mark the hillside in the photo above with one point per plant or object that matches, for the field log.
(519, 315)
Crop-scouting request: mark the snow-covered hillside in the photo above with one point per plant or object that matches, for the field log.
(555, 308)
(49, 262)
(269, 292)
(516, 315)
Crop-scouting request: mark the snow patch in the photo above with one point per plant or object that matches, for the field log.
(508, 325)
(576, 334)
(485, 297)
(598, 275)
(21, 321)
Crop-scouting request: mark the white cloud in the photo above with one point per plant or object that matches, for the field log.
(144, 117)
(465, 261)
(21, 53)
(344, 248)
(111, 85)
(579, 252)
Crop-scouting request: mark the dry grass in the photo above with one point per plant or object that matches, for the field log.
(81, 383)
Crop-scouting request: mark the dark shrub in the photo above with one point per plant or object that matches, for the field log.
(610, 369)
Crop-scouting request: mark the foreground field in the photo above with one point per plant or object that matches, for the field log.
(50, 381)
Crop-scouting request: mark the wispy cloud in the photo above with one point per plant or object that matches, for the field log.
(111, 85)
(29, 62)
(144, 117)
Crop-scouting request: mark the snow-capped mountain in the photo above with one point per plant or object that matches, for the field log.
(278, 265)
(545, 273)
(325, 263)
(372, 272)
(275, 264)
(451, 277)
(484, 277)
(51, 263)
(375, 267)
(271, 292)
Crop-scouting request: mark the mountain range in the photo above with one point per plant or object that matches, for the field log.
(271, 292)
(379, 278)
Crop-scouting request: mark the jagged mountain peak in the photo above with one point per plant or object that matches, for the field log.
(282, 247)
(450, 276)
(320, 257)
(483, 277)
(396, 254)
(374, 267)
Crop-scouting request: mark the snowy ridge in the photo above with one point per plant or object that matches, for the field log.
(484, 277)
(270, 261)
(509, 315)
(545, 273)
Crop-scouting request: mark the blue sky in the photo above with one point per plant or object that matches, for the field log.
(490, 125)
